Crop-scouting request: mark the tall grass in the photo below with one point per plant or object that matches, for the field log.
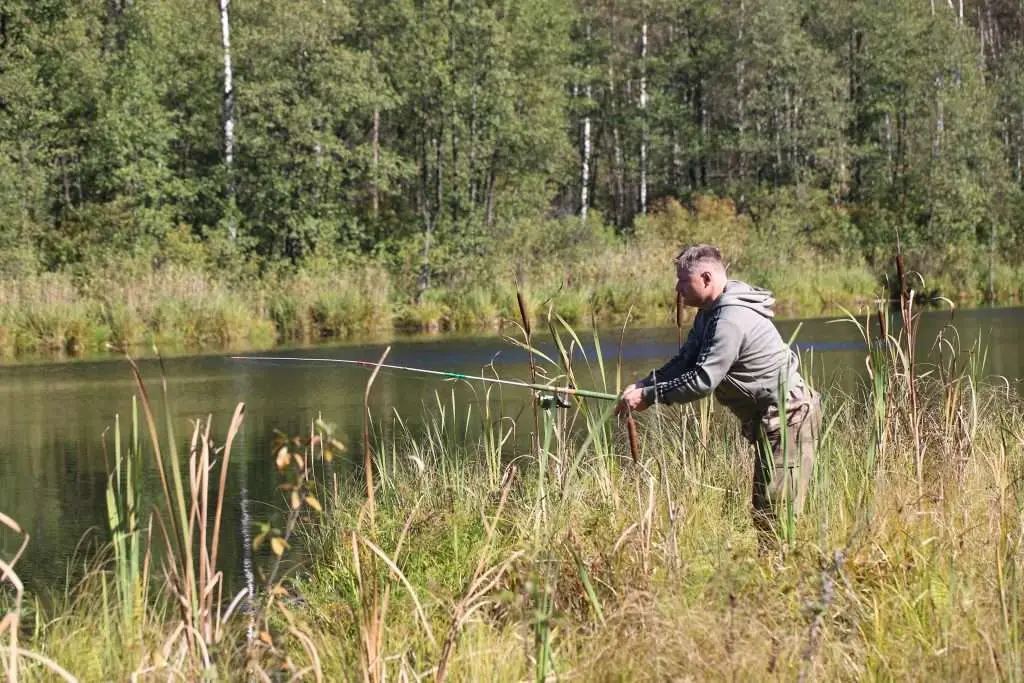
(661, 578)
(461, 553)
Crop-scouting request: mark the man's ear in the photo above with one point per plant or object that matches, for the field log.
(705, 277)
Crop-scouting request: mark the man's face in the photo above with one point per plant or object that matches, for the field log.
(694, 285)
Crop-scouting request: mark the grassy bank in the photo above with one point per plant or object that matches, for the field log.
(180, 309)
(193, 300)
(479, 560)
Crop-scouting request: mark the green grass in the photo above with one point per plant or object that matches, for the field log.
(572, 562)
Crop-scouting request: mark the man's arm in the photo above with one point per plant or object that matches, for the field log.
(633, 395)
(675, 367)
(714, 359)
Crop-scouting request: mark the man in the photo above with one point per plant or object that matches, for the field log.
(735, 351)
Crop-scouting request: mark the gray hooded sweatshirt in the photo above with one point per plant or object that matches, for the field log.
(734, 351)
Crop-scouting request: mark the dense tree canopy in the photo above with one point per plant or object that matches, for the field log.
(425, 132)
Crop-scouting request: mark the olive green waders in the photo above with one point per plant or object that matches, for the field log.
(783, 463)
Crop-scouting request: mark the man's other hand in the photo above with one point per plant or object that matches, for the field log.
(632, 400)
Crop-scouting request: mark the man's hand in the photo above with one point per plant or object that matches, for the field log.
(632, 400)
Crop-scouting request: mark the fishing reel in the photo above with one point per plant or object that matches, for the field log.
(549, 401)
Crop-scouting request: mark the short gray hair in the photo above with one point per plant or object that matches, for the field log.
(689, 258)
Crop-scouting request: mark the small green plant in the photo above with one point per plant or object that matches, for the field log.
(124, 496)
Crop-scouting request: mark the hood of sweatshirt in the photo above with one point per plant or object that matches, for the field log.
(738, 293)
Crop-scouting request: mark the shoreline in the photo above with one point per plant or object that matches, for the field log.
(143, 350)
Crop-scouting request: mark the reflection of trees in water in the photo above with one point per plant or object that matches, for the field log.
(53, 488)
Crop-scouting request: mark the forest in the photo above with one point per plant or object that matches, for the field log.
(206, 172)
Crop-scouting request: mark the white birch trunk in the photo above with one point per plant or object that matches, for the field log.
(585, 164)
(741, 113)
(643, 115)
(587, 151)
(228, 110)
(617, 170)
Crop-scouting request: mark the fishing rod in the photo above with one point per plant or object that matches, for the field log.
(568, 391)
(565, 391)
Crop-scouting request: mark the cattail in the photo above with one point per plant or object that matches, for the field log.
(631, 430)
(679, 317)
(522, 311)
(901, 273)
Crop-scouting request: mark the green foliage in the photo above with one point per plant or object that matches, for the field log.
(447, 142)
(712, 221)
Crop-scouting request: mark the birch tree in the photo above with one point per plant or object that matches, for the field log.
(643, 116)
(228, 115)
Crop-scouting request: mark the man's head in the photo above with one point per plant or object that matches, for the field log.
(701, 275)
